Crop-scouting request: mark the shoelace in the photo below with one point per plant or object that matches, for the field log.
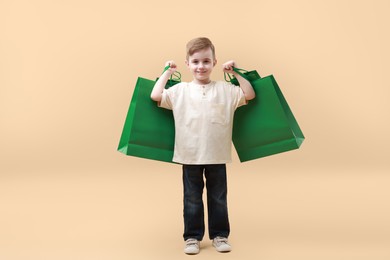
(221, 240)
(192, 242)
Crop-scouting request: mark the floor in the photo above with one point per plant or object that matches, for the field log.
(127, 213)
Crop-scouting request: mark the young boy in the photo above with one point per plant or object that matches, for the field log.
(203, 112)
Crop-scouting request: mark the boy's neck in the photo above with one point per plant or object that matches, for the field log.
(202, 82)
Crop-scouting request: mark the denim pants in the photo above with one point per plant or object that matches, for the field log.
(216, 185)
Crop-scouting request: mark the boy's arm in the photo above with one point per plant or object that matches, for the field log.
(159, 86)
(246, 87)
(244, 84)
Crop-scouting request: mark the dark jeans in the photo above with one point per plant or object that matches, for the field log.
(216, 185)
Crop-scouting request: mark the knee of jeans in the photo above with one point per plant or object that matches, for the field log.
(218, 197)
(193, 197)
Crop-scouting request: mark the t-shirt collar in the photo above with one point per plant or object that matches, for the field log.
(201, 85)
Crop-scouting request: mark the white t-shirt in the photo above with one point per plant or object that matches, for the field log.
(203, 120)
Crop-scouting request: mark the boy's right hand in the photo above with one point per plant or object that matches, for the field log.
(172, 66)
(159, 86)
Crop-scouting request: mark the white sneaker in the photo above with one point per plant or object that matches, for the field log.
(221, 244)
(192, 246)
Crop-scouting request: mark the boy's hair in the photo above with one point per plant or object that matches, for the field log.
(198, 44)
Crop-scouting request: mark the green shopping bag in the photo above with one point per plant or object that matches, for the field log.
(149, 131)
(266, 125)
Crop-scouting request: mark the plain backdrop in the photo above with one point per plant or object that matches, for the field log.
(67, 73)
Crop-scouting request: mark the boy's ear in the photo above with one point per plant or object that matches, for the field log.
(215, 62)
(186, 62)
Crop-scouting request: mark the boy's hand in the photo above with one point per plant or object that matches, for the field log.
(172, 66)
(228, 66)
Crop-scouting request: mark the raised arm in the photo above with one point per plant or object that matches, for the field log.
(159, 86)
(244, 84)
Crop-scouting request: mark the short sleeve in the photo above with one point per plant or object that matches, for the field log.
(241, 100)
(166, 99)
(238, 96)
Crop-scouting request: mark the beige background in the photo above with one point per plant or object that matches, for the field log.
(67, 72)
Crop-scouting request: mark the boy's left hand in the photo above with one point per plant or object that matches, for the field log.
(228, 66)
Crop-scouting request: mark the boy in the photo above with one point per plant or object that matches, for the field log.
(203, 111)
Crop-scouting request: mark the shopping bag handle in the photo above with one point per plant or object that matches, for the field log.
(238, 71)
(176, 74)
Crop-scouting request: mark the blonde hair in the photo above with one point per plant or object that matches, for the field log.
(198, 44)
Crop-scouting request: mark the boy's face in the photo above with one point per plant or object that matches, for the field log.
(201, 64)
